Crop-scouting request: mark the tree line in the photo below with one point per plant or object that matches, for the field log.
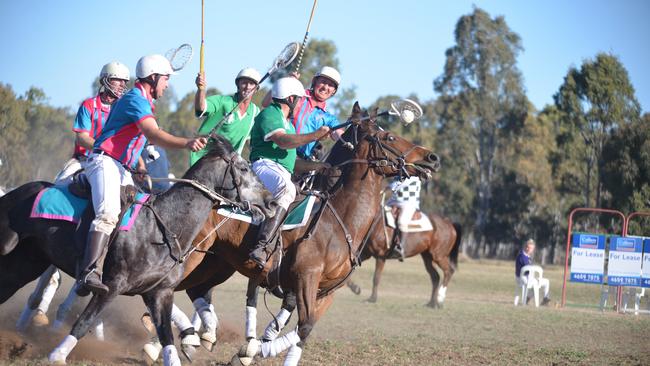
(509, 171)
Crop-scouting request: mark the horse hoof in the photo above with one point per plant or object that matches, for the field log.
(372, 300)
(188, 351)
(356, 290)
(246, 353)
(40, 319)
(150, 352)
(208, 341)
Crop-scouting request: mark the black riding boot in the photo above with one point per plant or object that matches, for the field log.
(91, 277)
(265, 235)
(397, 244)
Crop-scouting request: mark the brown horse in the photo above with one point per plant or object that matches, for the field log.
(439, 246)
(319, 258)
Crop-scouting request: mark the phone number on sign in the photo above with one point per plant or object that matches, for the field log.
(623, 281)
(586, 277)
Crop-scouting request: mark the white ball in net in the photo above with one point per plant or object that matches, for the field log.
(408, 116)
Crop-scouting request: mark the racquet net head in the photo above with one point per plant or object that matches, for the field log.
(180, 57)
(287, 55)
(398, 108)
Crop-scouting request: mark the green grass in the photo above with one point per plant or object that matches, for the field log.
(478, 325)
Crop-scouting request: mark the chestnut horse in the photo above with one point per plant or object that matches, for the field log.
(439, 246)
(318, 258)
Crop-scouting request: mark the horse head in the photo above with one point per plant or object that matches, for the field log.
(387, 153)
(233, 178)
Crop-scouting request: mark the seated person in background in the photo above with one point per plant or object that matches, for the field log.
(524, 258)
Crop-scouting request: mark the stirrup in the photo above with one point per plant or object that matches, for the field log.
(95, 288)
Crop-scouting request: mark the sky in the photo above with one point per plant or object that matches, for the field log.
(384, 46)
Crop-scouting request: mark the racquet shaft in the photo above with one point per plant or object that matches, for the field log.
(304, 41)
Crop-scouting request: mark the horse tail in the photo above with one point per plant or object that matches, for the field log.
(456, 248)
(8, 237)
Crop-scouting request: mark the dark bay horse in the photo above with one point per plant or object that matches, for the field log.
(439, 247)
(314, 266)
(146, 260)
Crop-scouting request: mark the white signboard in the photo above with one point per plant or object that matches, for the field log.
(587, 258)
(625, 259)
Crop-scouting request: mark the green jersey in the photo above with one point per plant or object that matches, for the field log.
(236, 129)
(268, 122)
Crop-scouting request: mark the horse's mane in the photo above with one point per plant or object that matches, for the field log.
(218, 146)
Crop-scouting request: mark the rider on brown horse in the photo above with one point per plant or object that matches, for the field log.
(406, 200)
(273, 153)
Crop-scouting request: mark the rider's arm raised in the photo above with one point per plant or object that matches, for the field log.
(289, 141)
(149, 128)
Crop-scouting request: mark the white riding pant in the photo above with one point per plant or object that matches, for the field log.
(543, 283)
(405, 215)
(277, 180)
(106, 175)
(71, 166)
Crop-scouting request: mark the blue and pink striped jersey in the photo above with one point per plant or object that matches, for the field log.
(121, 138)
(310, 115)
(91, 116)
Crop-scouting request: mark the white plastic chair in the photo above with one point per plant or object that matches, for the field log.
(530, 278)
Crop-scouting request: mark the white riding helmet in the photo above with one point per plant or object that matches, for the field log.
(115, 70)
(153, 64)
(249, 73)
(286, 87)
(330, 73)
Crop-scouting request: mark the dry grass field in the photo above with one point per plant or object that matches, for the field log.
(478, 325)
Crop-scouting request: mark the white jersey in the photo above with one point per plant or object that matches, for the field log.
(406, 192)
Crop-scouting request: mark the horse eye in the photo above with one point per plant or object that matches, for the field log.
(390, 138)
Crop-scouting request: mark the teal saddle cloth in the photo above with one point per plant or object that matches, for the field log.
(58, 203)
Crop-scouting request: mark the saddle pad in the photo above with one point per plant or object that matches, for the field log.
(415, 226)
(57, 203)
(298, 217)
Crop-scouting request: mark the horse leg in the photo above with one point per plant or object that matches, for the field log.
(276, 325)
(36, 299)
(379, 268)
(189, 340)
(252, 292)
(435, 278)
(87, 319)
(160, 305)
(447, 271)
(66, 305)
(205, 314)
(356, 289)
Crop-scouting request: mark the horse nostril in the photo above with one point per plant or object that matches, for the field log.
(272, 204)
(433, 158)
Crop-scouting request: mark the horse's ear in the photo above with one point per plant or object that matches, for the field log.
(356, 110)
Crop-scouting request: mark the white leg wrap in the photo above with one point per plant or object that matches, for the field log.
(170, 356)
(271, 332)
(49, 291)
(180, 320)
(99, 330)
(60, 353)
(152, 350)
(25, 317)
(251, 322)
(65, 307)
(442, 293)
(207, 315)
(196, 321)
(279, 345)
(293, 356)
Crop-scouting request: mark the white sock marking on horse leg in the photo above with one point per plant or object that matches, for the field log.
(293, 356)
(251, 322)
(170, 356)
(179, 319)
(279, 345)
(61, 352)
(271, 332)
(442, 293)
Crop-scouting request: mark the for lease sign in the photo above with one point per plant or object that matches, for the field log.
(625, 259)
(587, 258)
